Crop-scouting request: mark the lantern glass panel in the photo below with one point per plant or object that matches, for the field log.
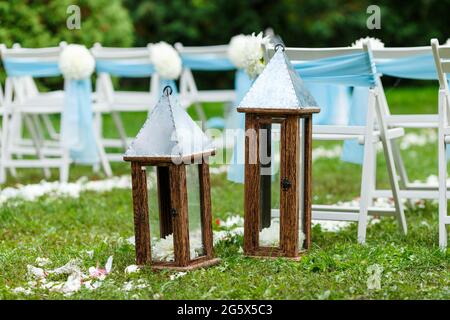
(196, 247)
(269, 158)
(159, 214)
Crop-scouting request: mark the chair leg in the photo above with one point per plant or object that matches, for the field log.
(50, 128)
(65, 167)
(201, 114)
(120, 128)
(4, 147)
(37, 144)
(400, 165)
(392, 172)
(366, 181)
(442, 193)
(442, 162)
(103, 158)
(403, 175)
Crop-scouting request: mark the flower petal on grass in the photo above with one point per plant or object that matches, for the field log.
(41, 262)
(132, 268)
(36, 273)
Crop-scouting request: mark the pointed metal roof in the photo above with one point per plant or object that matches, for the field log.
(169, 132)
(278, 87)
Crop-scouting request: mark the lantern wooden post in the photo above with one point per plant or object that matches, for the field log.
(141, 220)
(171, 161)
(278, 97)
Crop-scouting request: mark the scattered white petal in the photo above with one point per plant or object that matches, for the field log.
(73, 284)
(232, 221)
(177, 275)
(325, 295)
(108, 266)
(73, 266)
(90, 253)
(41, 262)
(131, 240)
(128, 286)
(36, 273)
(92, 285)
(132, 268)
(54, 189)
(22, 290)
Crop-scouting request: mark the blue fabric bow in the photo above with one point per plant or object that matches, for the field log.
(131, 69)
(420, 67)
(206, 62)
(77, 132)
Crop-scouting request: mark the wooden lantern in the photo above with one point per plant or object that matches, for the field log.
(278, 204)
(173, 144)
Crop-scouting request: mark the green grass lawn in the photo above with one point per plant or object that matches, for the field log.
(62, 229)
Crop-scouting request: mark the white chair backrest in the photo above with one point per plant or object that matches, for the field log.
(24, 86)
(308, 54)
(442, 59)
(218, 50)
(104, 85)
(37, 54)
(139, 54)
(397, 53)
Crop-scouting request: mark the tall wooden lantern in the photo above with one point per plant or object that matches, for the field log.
(278, 121)
(174, 150)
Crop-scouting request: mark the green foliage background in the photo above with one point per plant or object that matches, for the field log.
(299, 22)
(38, 23)
(199, 22)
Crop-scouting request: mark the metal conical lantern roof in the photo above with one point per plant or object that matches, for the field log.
(278, 87)
(169, 132)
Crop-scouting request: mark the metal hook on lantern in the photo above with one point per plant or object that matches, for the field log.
(278, 46)
(167, 90)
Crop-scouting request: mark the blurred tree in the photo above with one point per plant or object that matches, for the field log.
(37, 23)
(299, 22)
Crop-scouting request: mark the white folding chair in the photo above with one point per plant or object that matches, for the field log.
(24, 103)
(114, 101)
(189, 92)
(416, 121)
(442, 59)
(369, 136)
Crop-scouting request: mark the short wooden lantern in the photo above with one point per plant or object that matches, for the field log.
(278, 121)
(172, 143)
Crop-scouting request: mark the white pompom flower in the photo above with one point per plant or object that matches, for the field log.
(247, 52)
(236, 51)
(166, 60)
(76, 62)
(374, 43)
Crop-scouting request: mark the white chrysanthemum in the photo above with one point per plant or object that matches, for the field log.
(166, 60)
(246, 52)
(76, 62)
(236, 51)
(374, 43)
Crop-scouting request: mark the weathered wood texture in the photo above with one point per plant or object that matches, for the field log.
(180, 218)
(289, 204)
(290, 173)
(205, 204)
(141, 219)
(307, 181)
(251, 186)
